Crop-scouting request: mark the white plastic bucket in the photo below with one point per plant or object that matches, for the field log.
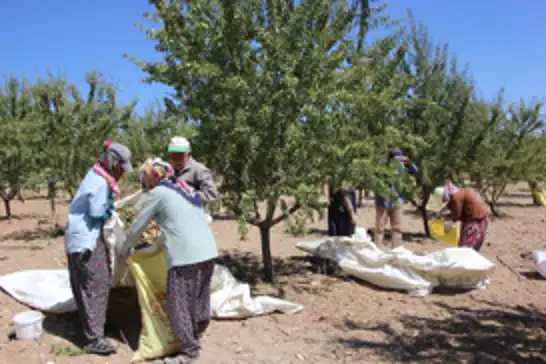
(28, 325)
(540, 261)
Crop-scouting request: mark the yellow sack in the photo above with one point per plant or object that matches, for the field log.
(150, 273)
(437, 230)
(539, 197)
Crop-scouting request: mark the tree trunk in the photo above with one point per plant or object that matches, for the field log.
(424, 212)
(360, 197)
(493, 209)
(52, 195)
(7, 208)
(269, 275)
(533, 185)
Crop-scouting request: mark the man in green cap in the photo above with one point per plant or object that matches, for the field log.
(191, 171)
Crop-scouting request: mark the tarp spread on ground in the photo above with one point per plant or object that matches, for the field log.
(400, 268)
(49, 291)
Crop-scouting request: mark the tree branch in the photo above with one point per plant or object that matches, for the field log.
(280, 218)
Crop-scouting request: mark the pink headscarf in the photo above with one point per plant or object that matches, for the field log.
(449, 190)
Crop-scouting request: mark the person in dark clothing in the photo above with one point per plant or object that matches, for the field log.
(342, 212)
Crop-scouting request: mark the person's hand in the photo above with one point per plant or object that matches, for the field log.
(126, 254)
(353, 219)
(448, 225)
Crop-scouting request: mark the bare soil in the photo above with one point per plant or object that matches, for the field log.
(344, 320)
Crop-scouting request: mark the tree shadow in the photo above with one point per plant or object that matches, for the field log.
(319, 232)
(496, 334)
(532, 275)
(39, 233)
(410, 237)
(516, 204)
(223, 217)
(247, 267)
(518, 195)
(123, 323)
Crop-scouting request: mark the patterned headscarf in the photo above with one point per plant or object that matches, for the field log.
(104, 167)
(157, 169)
(105, 158)
(449, 190)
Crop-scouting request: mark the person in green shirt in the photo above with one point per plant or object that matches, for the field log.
(190, 249)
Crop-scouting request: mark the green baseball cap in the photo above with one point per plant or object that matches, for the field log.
(179, 145)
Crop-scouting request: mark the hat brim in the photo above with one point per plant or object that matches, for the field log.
(178, 149)
(127, 167)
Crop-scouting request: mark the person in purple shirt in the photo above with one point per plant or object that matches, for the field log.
(390, 210)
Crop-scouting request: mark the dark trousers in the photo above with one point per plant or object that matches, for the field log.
(90, 279)
(188, 304)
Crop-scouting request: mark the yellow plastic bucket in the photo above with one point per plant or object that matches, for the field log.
(437, 231)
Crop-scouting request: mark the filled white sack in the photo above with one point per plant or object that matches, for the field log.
(400, 268)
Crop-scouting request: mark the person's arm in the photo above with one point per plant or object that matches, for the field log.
(147, 212)
(207, 190)
(100, 204)
(411, 167)
(348, 206)
(456, 209)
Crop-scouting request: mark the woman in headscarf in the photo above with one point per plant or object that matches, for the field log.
(190, 249)
(466, 208)
(386, 209)
(88, 262)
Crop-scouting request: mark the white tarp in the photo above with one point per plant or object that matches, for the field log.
(400, 268)
(49, 290)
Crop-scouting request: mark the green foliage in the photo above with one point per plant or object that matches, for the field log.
(511, 152)
(267, 82)
(16, 154)
(75, 126)
(148, 135)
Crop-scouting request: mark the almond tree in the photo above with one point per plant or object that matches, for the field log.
(512, 151)
(75, 126)
(16, 154)
(444, 112)
(263, 81)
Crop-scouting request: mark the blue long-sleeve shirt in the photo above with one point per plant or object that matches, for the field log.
(91, 206)
(412, 169)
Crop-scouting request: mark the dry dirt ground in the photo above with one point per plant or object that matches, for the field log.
(344, 321)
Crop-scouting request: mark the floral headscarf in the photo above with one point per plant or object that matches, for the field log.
(449, 190)
(157, 169)
(162, 173)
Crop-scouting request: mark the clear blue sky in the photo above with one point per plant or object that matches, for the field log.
(503, 40)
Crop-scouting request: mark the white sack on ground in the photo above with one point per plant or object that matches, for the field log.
(540, 261)
(400, 268)
(49, 291)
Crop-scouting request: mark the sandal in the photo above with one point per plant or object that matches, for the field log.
(100, 347)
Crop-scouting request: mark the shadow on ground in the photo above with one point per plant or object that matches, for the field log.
(39, 233)
(248, 268)
(495, 334)
(123, 322)
(502, 204)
